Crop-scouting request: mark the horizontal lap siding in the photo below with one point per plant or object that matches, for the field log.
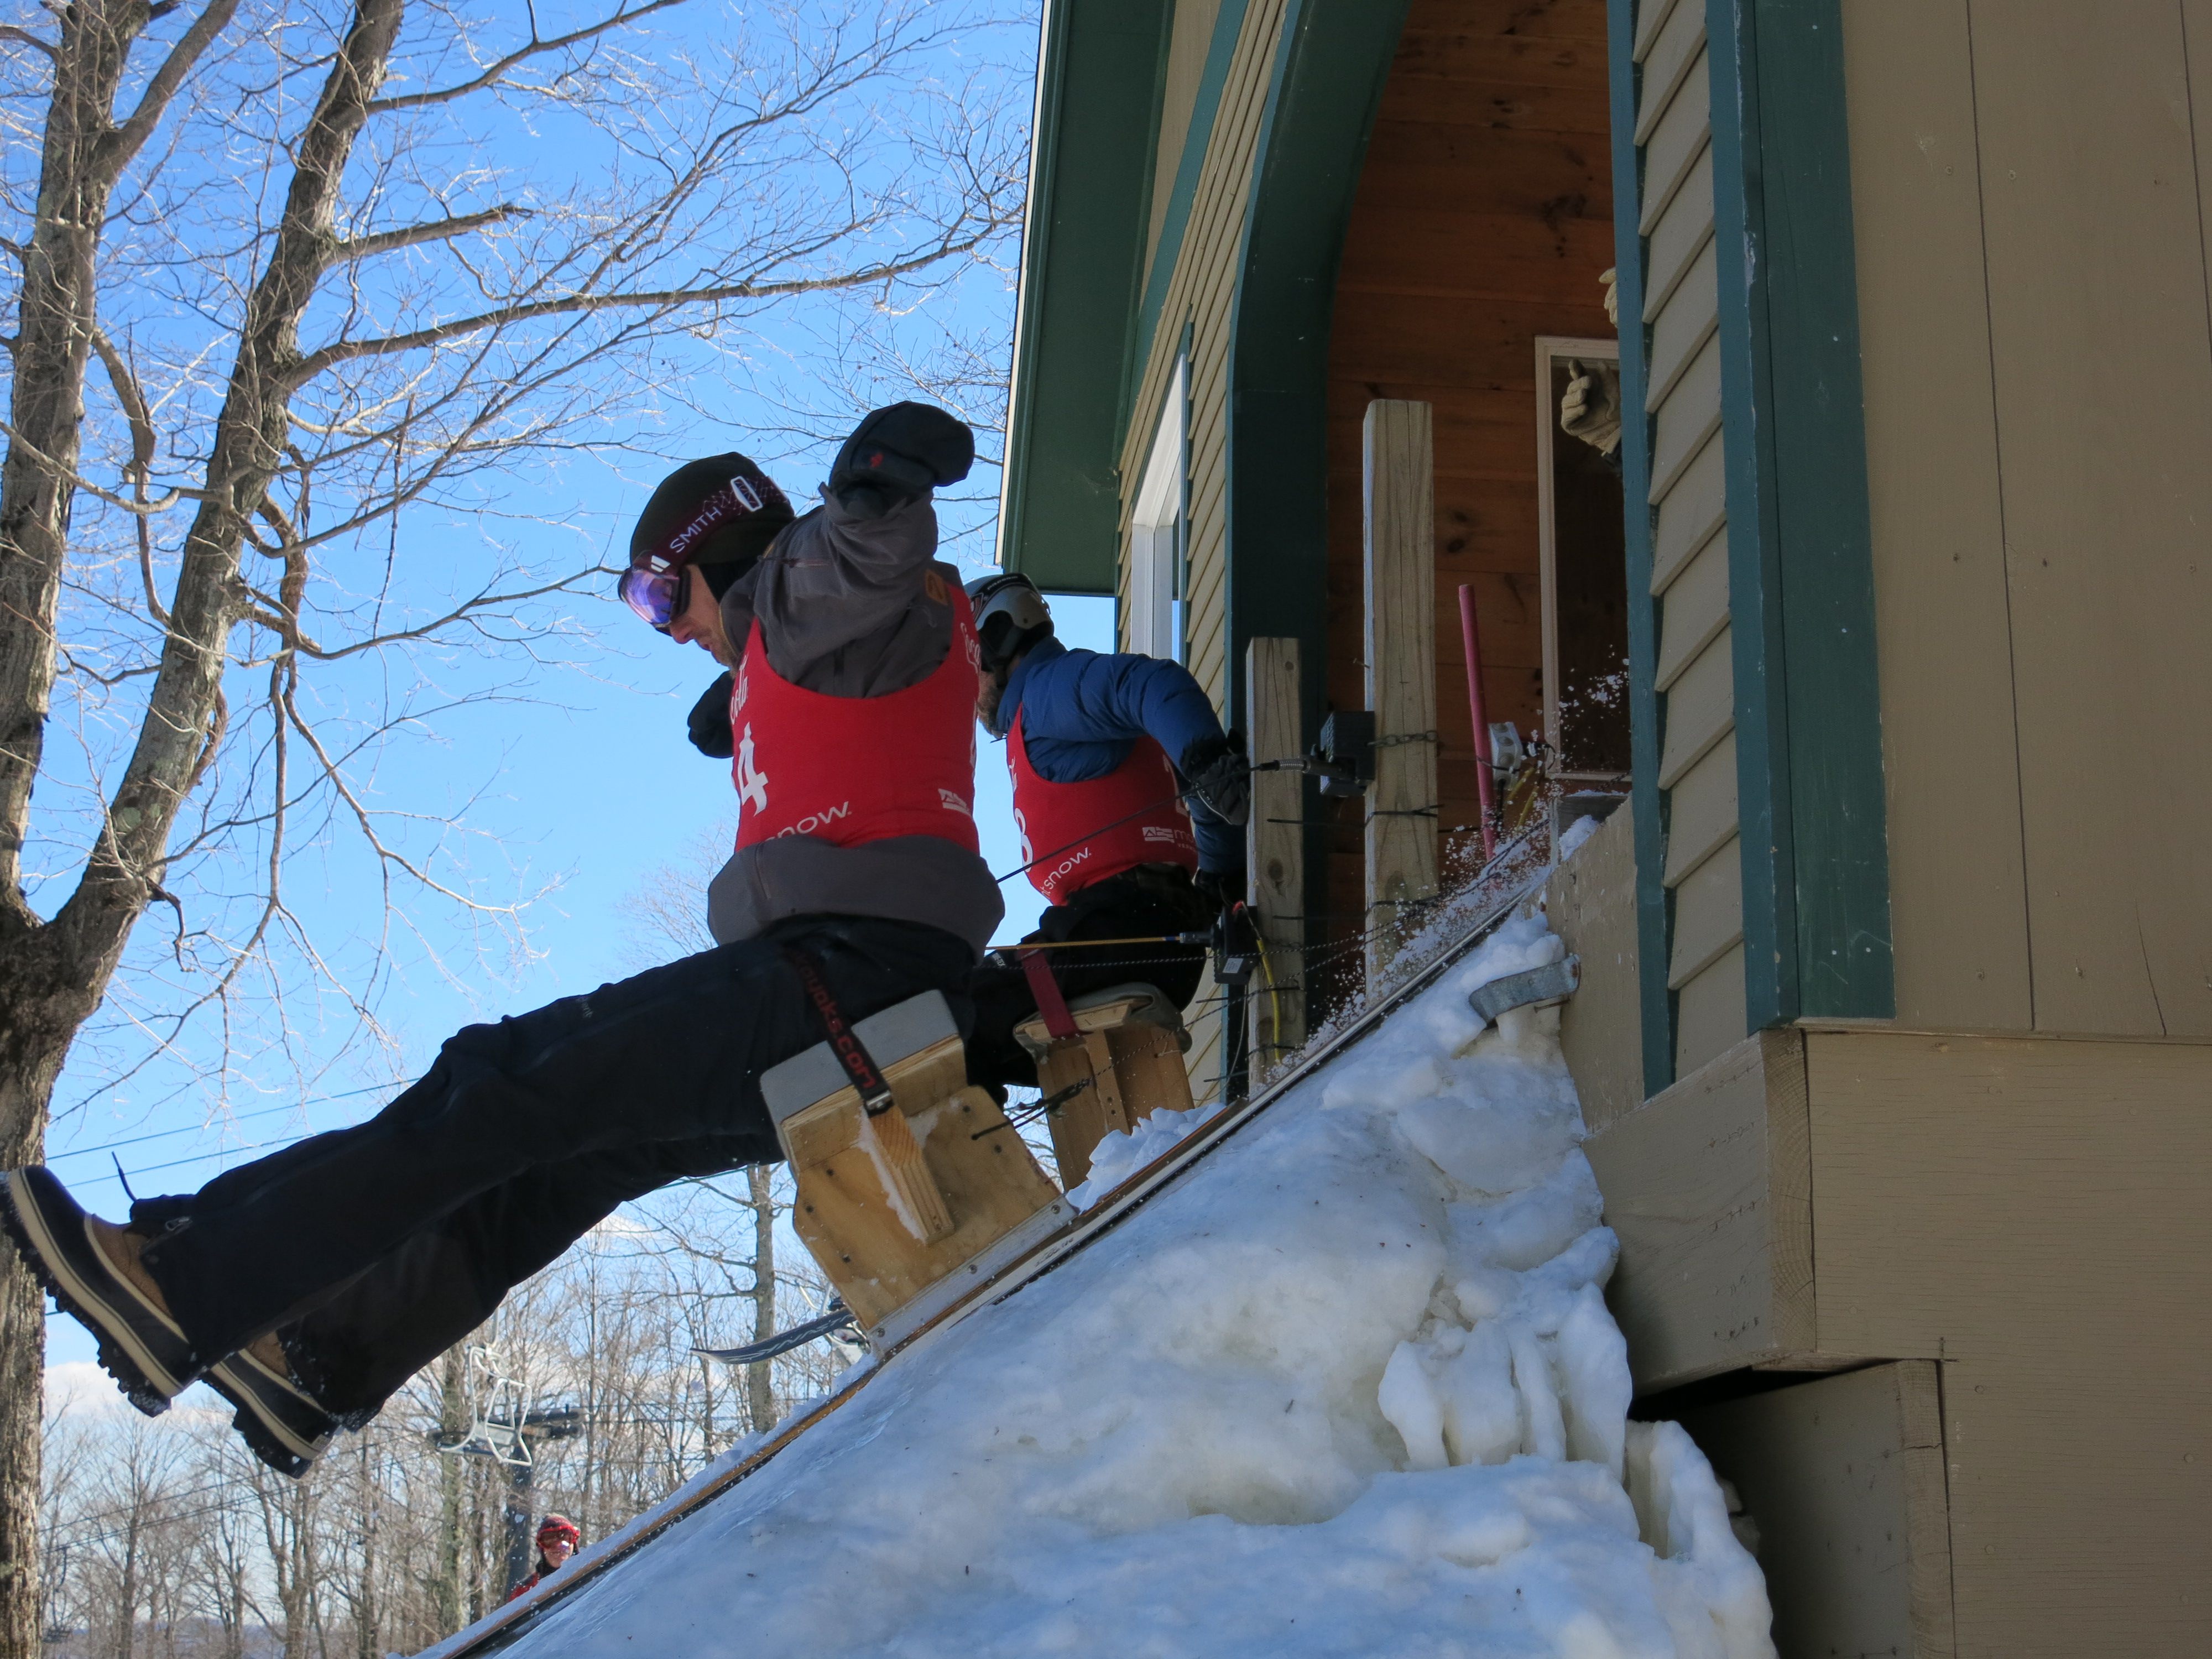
(1696, 676)
(1201, 292)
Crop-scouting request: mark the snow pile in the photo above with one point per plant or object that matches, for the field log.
(1350, 1387)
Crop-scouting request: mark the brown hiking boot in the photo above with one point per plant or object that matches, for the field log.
(92, 1269)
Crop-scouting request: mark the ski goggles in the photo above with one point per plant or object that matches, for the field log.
(657, 585)
(659, 596)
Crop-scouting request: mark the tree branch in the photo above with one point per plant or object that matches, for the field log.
(124, 141)
(314, 362)
(386, 242)
(537, 48)
(140, 418)
(24, 37)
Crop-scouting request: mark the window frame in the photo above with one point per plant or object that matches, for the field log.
(1549, 349)
(1155, 621)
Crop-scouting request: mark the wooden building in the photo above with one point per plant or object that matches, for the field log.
(1895, 1040)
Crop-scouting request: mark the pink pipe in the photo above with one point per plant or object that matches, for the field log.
(1485, 786)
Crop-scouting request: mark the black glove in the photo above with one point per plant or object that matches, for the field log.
(709, 722)
(899, 454)
(1220, 776)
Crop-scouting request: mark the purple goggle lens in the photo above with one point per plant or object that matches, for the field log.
(655, 595)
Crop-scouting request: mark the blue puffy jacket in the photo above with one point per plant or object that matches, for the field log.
(1082, 712)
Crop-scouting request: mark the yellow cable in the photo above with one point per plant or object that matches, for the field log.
(1274, 997)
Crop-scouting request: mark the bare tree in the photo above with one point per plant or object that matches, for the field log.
(319, 309)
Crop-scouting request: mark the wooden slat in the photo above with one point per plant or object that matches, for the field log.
(1957, 888)
(1691, 514)
(1701, 810)
(1927, 1510)
(2092, 208)
(1708, 914)
(1675, 144)
(1693, 609)
(1700, 710)
(1590, 901)
(1651, 17)
(1275, 851)
(1710, 1014)
(1400, 608)
(1708, 1186)
(1685, 420)
(1683, 327)
(1673, 52)
(1685, 227)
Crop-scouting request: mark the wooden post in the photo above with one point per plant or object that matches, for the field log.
(1399, 532)
(1275, 845)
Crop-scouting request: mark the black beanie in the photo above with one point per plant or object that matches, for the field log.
(734, 545)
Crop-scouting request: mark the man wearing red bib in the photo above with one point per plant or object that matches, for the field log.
(1129, 798)
(306, 1286)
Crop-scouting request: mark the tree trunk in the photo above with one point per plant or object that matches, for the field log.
(53, 341)
(760, 1384)
(452, 1424)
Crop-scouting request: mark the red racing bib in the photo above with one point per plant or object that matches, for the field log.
(1079, 833)
(853, 770)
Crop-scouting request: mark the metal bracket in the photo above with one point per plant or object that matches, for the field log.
(1554, 982)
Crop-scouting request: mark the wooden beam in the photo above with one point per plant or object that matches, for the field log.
(1399, 534)
(1275, 845)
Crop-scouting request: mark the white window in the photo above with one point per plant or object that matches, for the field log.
(1157, 533)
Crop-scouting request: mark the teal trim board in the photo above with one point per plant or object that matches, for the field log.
(1808, 713)
(1096, 119)
(1652, 901)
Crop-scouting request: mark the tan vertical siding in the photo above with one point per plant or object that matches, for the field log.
(2028, 185)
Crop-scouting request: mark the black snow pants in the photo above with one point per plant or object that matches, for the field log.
(1137, 902)
(373, 1249)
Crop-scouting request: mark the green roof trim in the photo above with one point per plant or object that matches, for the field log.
(1090, 199)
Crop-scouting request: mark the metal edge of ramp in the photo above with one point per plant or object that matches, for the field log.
(498, 1628)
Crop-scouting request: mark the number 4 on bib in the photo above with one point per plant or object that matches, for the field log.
(752, 782)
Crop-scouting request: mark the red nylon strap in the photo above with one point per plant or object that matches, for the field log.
(844, 1041)
(1058, 1022)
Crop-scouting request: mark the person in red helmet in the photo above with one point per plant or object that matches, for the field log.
(558, 1538)
(308, 1285)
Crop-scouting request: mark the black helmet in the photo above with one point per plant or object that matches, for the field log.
(1011, 616)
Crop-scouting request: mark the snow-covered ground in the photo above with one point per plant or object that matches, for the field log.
(1350, 1388)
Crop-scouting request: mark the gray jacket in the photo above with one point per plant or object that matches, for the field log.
(840, 600)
